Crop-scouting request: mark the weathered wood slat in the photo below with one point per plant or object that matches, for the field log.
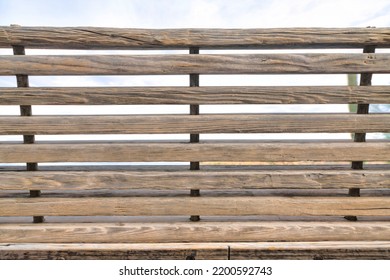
(186, 180)
(178, 64)
(124, 38)
(210, 151)
(195, 95)
(310, 250)
(202, 206)
(155, 251)
(221, 123)
(88, 251)
(194, 232)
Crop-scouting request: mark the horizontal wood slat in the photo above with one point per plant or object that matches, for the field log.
(154, 251)
(221, 123)
(201, 64)
(203, 206)
(125, 38)
(93, 251)
(195, 95)
(211, 151)
(185, 180)
(194, 232)
(334, 250)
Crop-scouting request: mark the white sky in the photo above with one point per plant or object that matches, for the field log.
(186, 14)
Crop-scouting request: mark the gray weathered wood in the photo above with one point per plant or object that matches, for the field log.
(184, 180)
(194, 232)
(210, 151)
(125, 38)
(195, 95)
(213, 123)
(202, 206)
(177, 64)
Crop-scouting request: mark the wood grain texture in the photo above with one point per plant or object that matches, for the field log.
(259, 250)
(186, 180)
(209, 151)
(90, 251)
(22, 81)
(195, 95)
(194, 232)
(202, 206)
(184, 64)
(221, 123)
(310, 251)
(125, 38)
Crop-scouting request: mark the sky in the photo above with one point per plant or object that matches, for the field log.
(187, 14)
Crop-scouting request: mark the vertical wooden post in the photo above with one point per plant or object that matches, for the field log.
(26, 110)
(365, 80)
(194, 138)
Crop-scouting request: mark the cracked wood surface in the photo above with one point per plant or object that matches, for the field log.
(195, 95)
(208, 151)
(184, 64)
(202, 206)
(181, 180)
(210, 123)
(126, 38)
(143, 232)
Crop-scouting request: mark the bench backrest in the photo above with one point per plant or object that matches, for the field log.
(243, 190)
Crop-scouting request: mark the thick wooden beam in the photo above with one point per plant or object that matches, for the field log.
(91, 251)
(310, 250)
(184, 64)
(202, 206)
(208, 151)
(195, 95)
(125, 38)
(260, 250)
(194, 232)
(213, 123)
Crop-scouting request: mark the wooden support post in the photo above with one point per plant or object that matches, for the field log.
(194, 138)
(365, 80)
(26, 110)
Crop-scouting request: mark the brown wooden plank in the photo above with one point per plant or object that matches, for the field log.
(125, 38)
(199, 95)
(275, 250)
(88, 251)
(214, 123)
(210, 151)
(194, 232)
(310, 250)
(186, 180)
(178, 64)
(195, 95)
(207, 206)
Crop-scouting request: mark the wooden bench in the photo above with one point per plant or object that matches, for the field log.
(229, 198)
